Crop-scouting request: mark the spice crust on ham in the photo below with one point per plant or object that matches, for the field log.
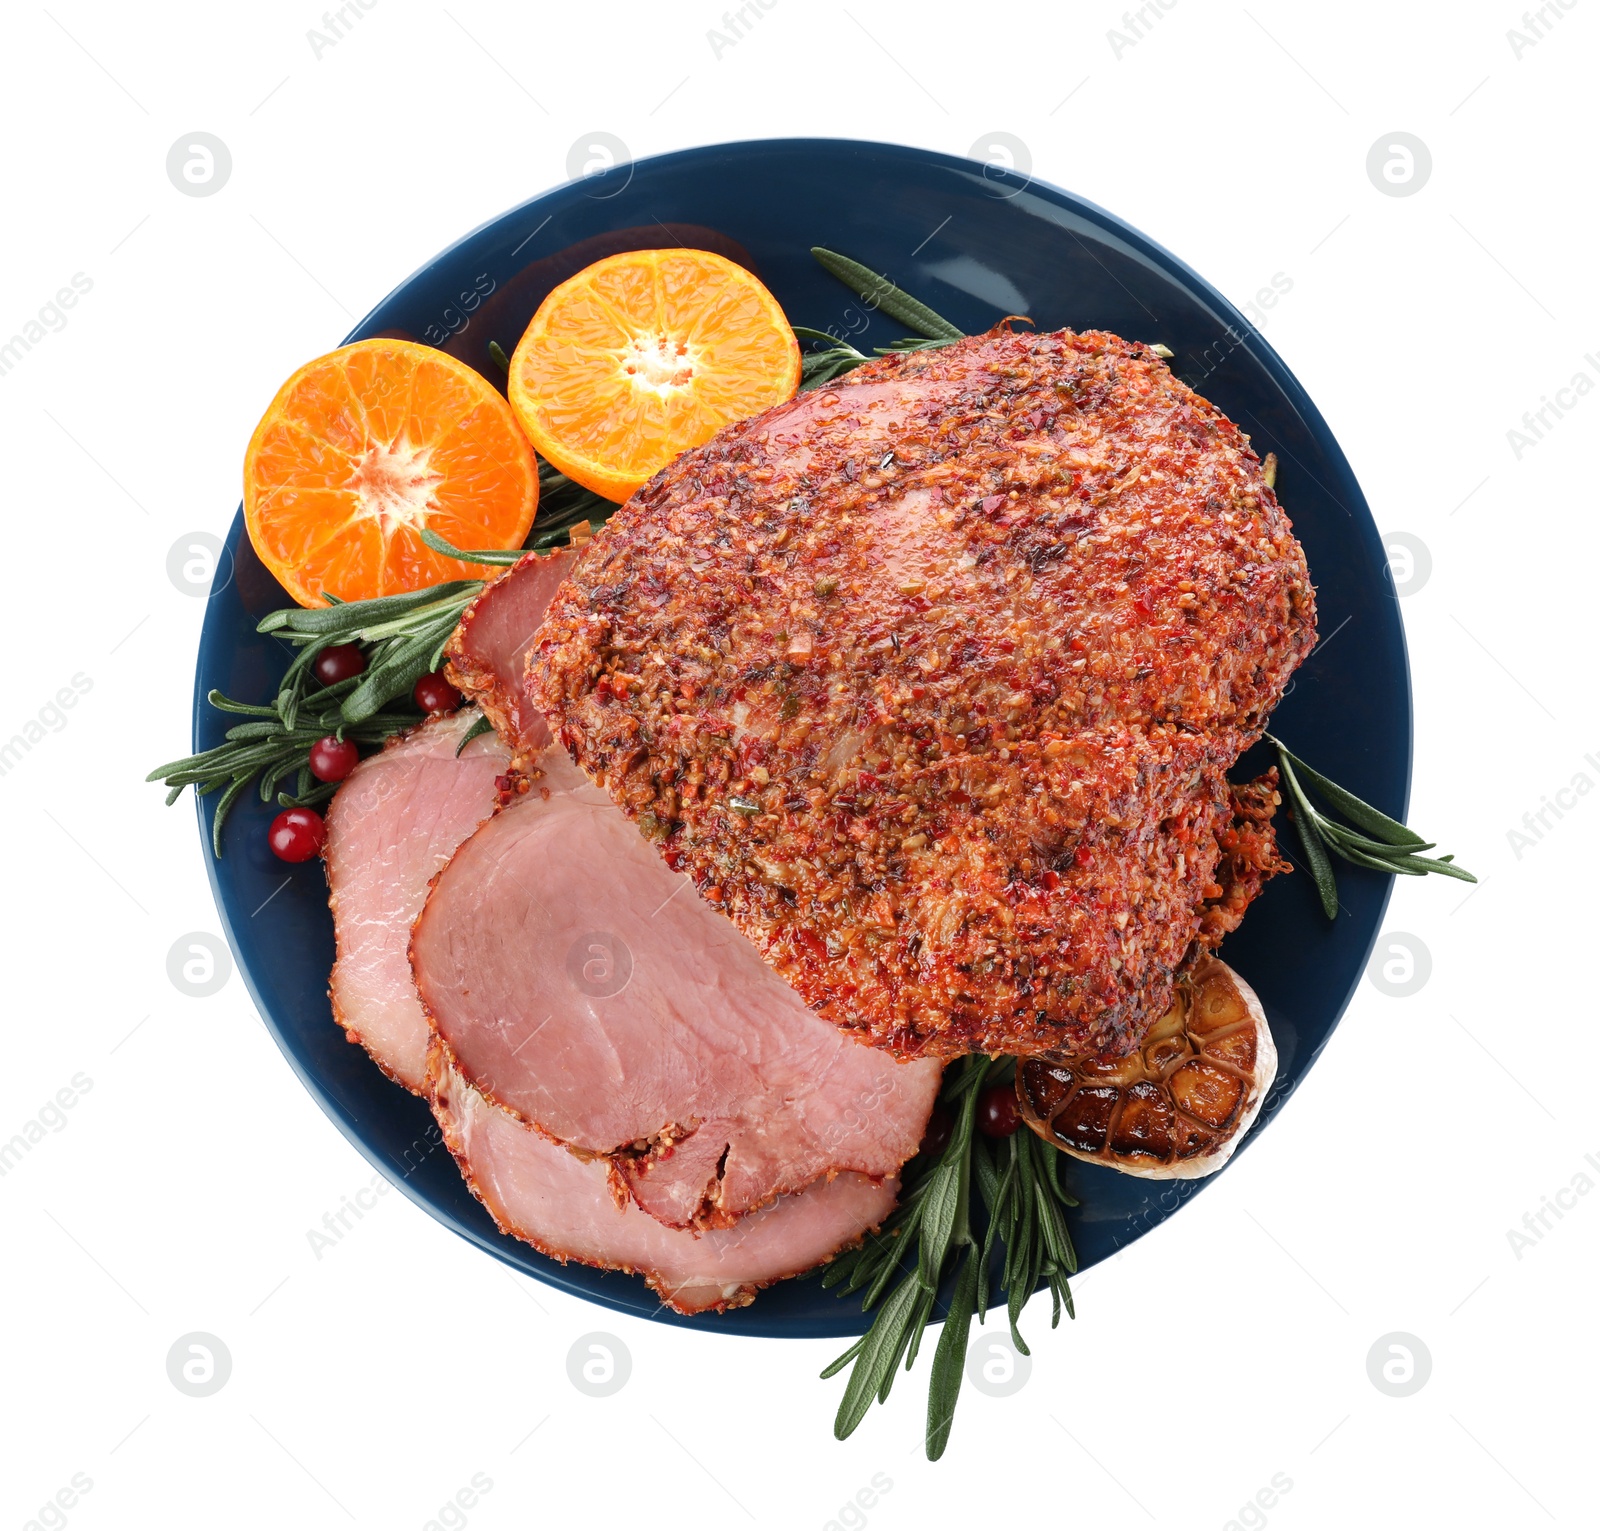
(931, 680)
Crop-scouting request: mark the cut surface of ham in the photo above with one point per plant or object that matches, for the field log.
(489, 649)
(562, 1205)
(579, 983)
(396, 822)
(392, 826)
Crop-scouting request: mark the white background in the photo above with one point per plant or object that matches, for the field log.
(1231, 1345)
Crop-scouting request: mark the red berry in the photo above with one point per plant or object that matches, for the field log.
(339, 663)
(333, 759)
(296, 834)
(998, 1116)
(937, 1134)
(433, 693)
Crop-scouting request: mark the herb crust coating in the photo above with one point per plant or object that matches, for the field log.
(930, 679)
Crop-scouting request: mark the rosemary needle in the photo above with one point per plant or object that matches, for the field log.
(1377, 842)
(879, 292)
(838, 356)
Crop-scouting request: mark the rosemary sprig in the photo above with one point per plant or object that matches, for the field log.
(493, 558)
(1025, 1202)
(402, 638)
(482, 726)
(269, 749)
(931, 330)
(838, 356)
(1377, 842)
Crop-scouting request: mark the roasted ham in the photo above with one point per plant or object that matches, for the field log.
(579, 984)
(930, 680)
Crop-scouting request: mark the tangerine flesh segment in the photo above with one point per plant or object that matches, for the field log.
(644, 355)
(362, 450)
(349, 559)
(384, 392)
(630, 287)
(307, 523)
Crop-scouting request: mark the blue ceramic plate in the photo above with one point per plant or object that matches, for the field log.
(976, 243)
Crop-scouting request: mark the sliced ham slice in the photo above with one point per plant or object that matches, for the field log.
(488, 651)
(579, 983)
(392, 826)
(561, 1204)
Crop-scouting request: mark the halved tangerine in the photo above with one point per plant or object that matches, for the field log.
(364, 448)
(643, 355)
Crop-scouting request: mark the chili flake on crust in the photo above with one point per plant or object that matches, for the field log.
(931, 679)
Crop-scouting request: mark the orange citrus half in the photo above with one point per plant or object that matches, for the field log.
(643, 355)
(364, 448)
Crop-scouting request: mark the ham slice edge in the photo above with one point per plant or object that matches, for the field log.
(392, 826)
(550, 1198)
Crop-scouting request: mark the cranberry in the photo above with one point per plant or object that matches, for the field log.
(333, 759)
(433, 693)
(339, 663)
(940, 1125)
(296, 834)
(998, 1116)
